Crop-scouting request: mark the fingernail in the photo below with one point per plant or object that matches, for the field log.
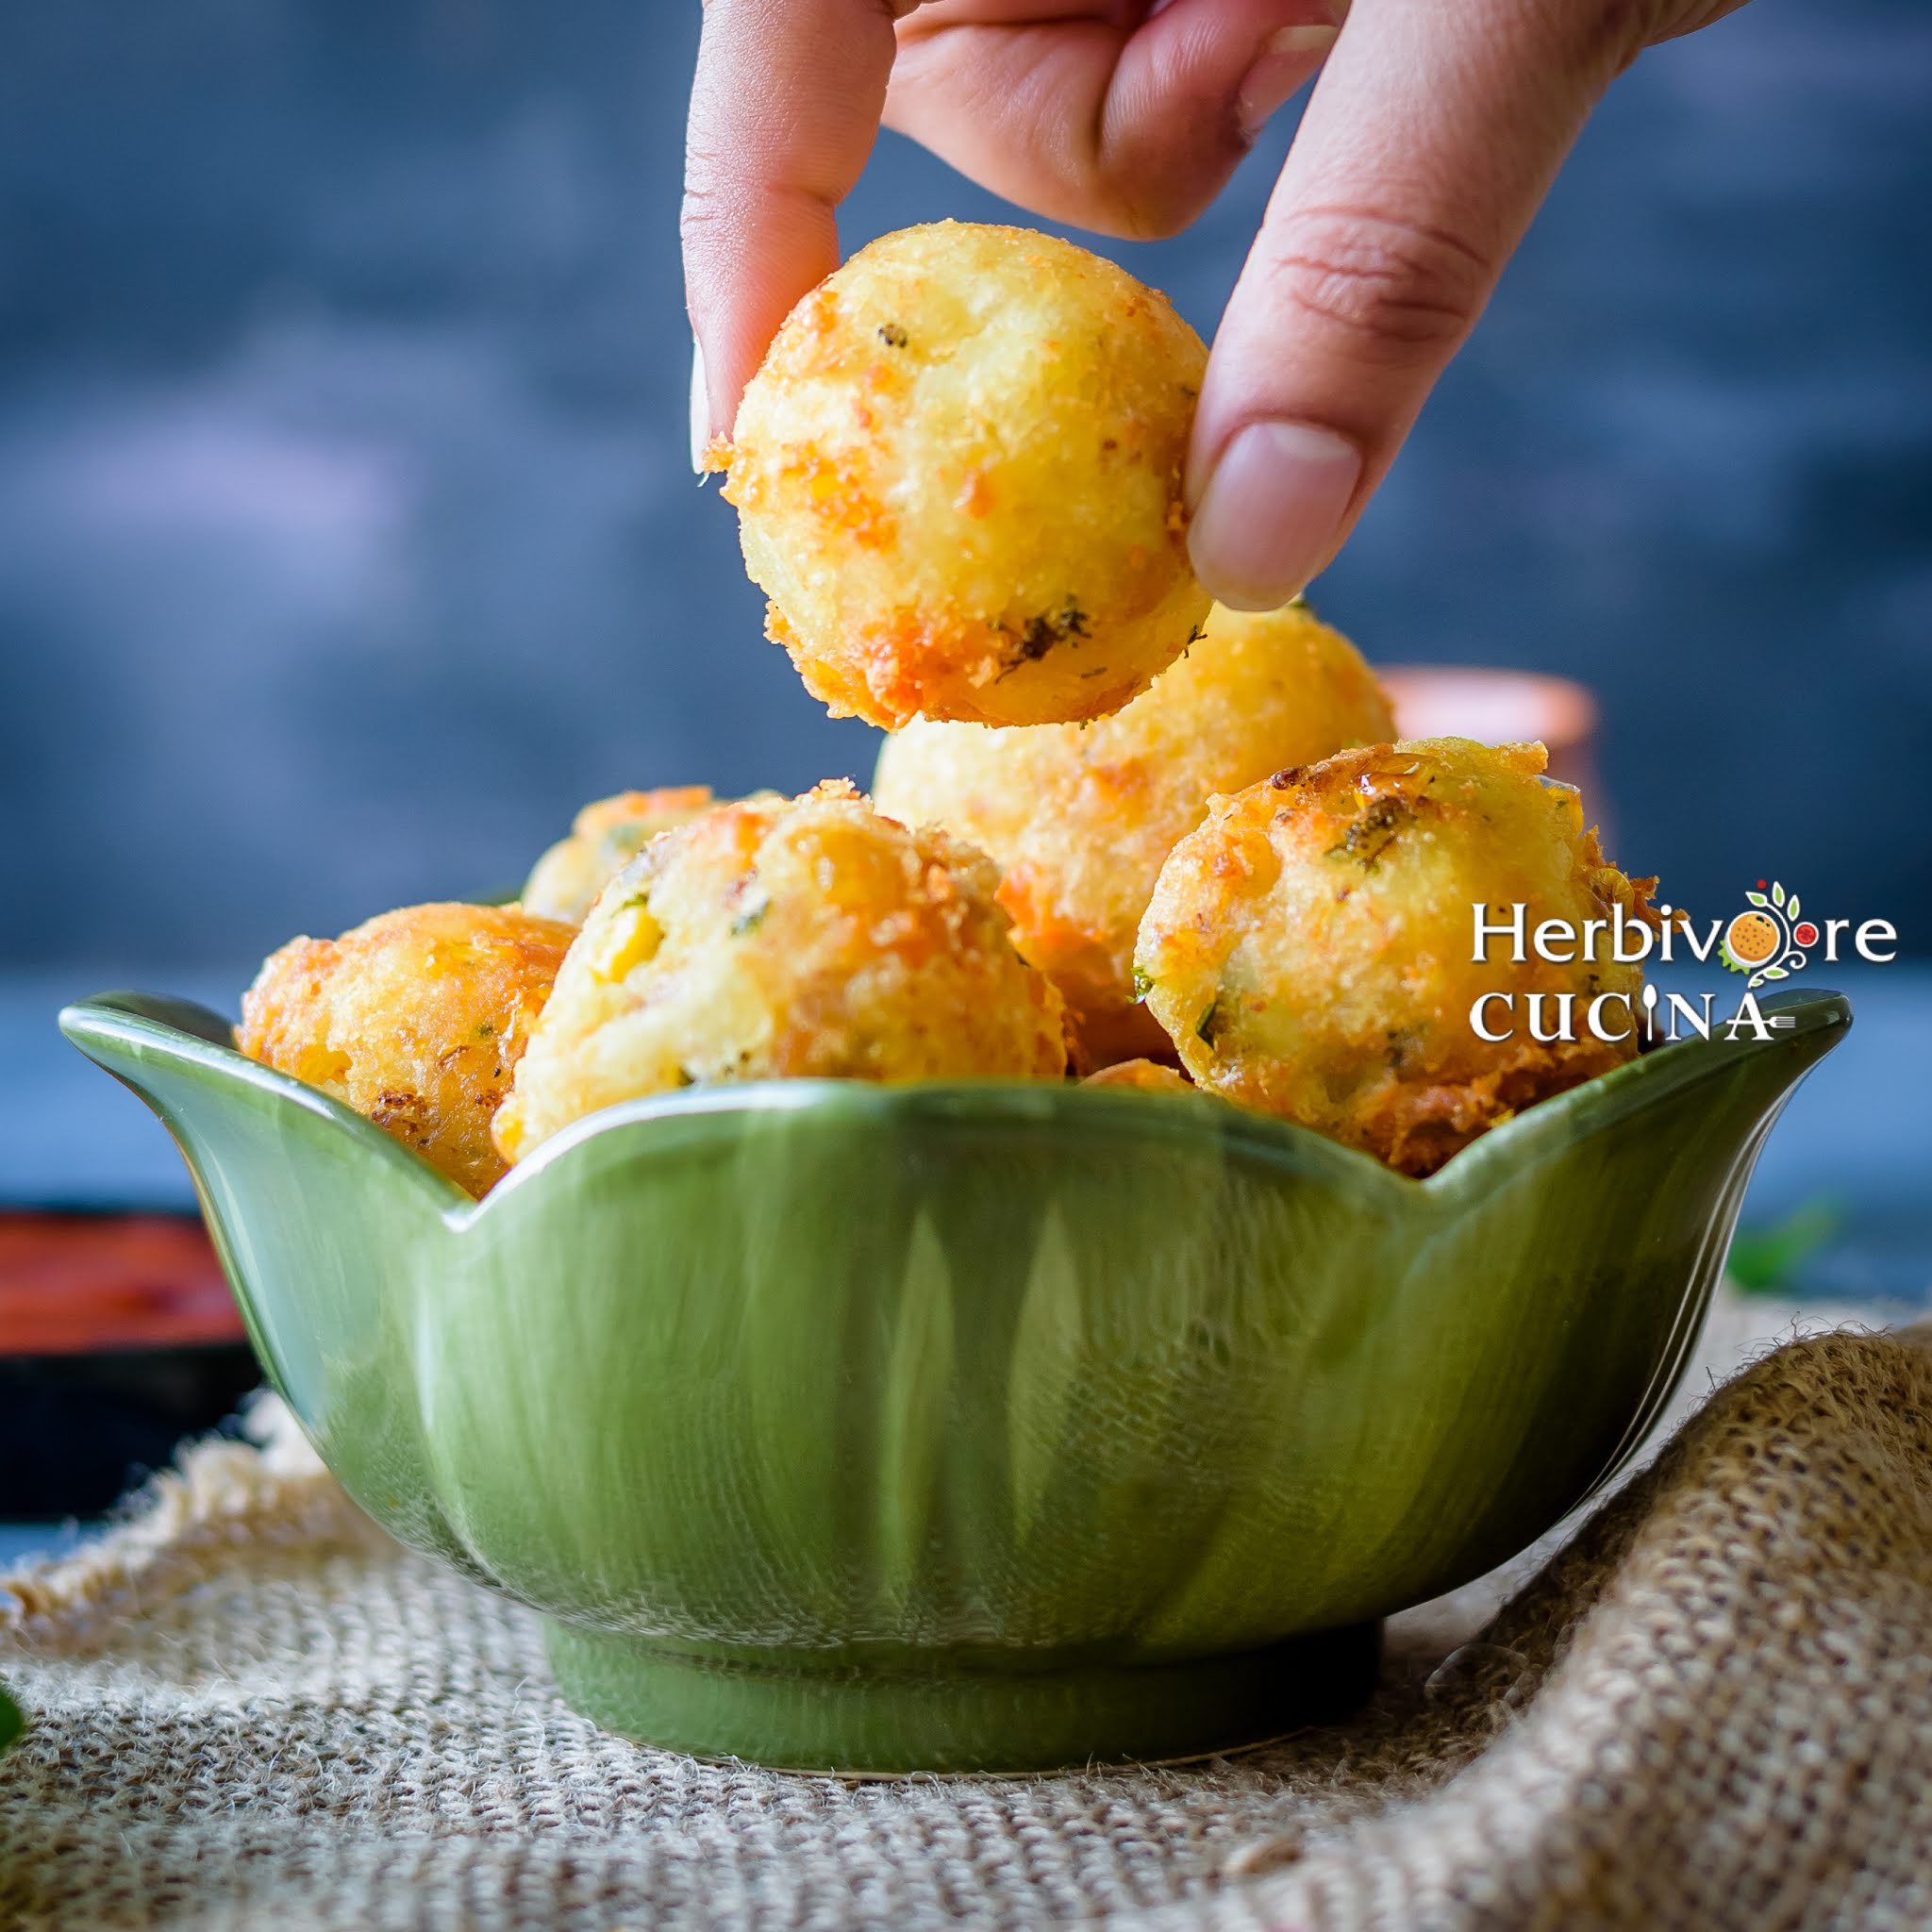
(1280, 69)
(700, 410)
(1268, 517)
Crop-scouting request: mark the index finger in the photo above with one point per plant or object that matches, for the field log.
(784, 110)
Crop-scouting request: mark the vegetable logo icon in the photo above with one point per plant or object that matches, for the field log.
(1768, 941)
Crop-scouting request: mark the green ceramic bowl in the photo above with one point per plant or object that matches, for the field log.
(977, 1425)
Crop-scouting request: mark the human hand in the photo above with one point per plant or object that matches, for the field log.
(1428, 144)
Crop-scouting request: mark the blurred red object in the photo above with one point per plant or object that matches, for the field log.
(1504, 708)
(85, 1284)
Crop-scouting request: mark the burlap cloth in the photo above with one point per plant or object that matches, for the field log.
(1712, 1708)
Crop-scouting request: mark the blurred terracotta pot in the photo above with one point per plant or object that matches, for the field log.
(1503, 708)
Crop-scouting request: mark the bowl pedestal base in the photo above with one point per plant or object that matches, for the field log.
(797, 1714)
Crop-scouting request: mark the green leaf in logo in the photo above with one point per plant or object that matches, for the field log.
(1758, 898)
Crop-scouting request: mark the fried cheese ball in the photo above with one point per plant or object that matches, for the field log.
(784, 938)
(1309, 948)
(1081, 818)
(607, 834)
(1144, 1075)
(958, 480)
(416, 1018)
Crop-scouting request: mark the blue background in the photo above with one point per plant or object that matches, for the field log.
(347, 541)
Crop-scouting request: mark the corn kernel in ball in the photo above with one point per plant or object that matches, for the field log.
(416, 1018)
(958, 480)
(1080, 819)
(1309, 948)
(606, 834)
(784, 938)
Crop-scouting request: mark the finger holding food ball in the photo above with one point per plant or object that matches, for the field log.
(958, 479)
(1080, 818)
(1308, 948)
(786, 939)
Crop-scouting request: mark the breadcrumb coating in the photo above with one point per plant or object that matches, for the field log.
(606, 834)
(416, 1018)
(1308, 948)
(1081, 818)
(958, 480)
(786, 939)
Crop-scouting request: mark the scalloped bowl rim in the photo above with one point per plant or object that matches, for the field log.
(1181, 1117)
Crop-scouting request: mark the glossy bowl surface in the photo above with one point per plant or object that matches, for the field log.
(969, 1426)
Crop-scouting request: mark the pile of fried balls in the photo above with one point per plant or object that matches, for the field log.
(1118, 833)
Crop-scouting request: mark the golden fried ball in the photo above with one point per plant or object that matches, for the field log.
(1143, 1076)
(776, 939)
(958, 480)
(1080, 818)
(1310, 947)
(416, 1018)
(607, 834)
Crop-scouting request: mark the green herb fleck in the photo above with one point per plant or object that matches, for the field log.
(1040, 634)
(750, 920)
(1369, 837)
(1206, 1027)
(685, 1078)
(1143, 985)
(893, 335)
(486, 1031)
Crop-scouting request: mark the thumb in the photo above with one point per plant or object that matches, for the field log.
(784, 108)
(1431, 136)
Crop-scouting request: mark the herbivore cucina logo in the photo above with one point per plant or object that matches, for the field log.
(1770, 940)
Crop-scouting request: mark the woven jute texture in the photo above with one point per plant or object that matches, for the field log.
(1711, 1707)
